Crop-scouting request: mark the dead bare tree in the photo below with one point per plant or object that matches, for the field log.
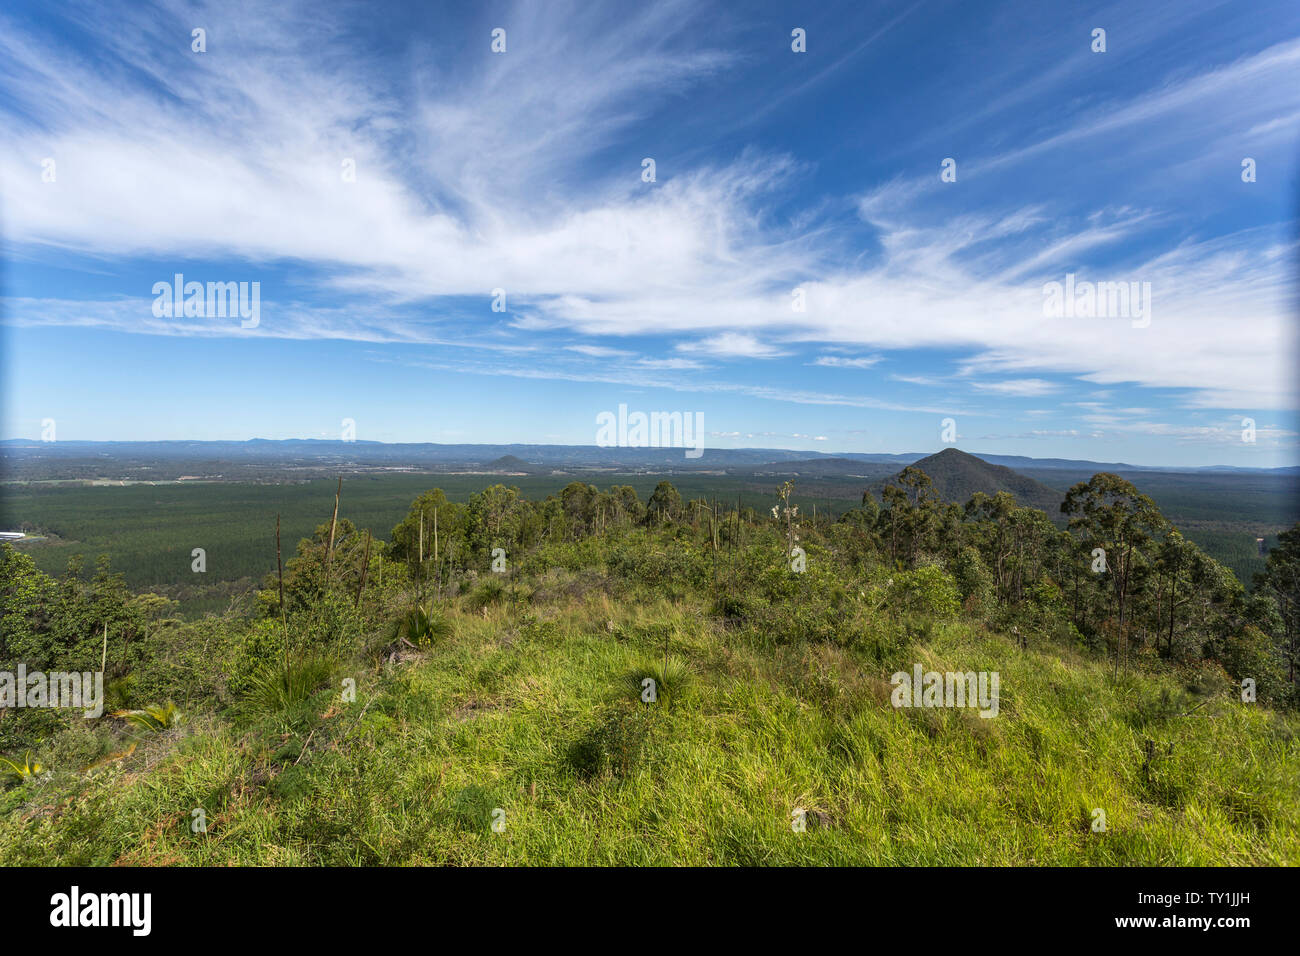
(284, 622)
(365, 569)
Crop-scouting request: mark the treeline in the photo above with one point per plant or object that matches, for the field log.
(1120, 578)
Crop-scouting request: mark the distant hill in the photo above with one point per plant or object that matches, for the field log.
(958, 475)
(816, 468)
(513, 465)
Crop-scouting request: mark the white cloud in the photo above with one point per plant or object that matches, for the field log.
(598, 351)
(731, 345)
(679, 364)
(483, 182)
(1017, 386)
(838, 361)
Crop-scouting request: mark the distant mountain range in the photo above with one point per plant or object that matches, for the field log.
(532, 459)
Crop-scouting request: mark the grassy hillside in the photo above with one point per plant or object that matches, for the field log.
(530, 709)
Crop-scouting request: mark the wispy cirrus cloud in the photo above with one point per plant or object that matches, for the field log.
(731, 345)
(840, 361)
(1018, 386)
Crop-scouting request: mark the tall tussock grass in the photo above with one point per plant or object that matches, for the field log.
(284, 687)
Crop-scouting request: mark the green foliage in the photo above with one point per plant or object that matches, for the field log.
(665, 504)
(1281, 582)
(422, 626)
(671, 675)
(973, 579)
(488, 592)
(612, 746)
(15, 772)
(153, 718)
(234, 520)
(927, 591)
(283, 688)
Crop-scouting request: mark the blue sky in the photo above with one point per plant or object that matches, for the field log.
(775, 171)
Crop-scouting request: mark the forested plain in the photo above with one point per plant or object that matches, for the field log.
(149, 531)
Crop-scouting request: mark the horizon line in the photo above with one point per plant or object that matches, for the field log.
(498, 444)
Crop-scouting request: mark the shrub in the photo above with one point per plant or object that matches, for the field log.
(886, 644)
(15, 772)
(613, 746)
(281, 688)
(972, 577)
(491, 591)
(671, 676)
(1248, 652)
(422, 627)
(152, 718)
(927, 590)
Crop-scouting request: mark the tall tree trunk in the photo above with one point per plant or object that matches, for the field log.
(284, 621)
(329, 551)
(365, 569)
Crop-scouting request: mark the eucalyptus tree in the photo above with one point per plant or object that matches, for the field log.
(1117, 524)
(1281, 581)
(913, 510)
(665, 504)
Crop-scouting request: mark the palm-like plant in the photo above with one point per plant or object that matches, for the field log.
(281, 687)
(153, 718)
(14, 772)
(421, 627)
(671, 675)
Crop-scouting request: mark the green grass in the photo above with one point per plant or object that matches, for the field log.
(529, 709)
